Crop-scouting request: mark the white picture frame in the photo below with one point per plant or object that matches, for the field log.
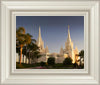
(90, 75)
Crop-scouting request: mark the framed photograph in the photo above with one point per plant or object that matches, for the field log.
(49, 42)
(31, 51)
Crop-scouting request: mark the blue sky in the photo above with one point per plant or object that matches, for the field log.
(54, 30)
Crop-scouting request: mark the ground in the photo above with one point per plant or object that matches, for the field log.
(38, 66)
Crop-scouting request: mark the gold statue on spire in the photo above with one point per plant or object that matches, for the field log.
(68, 26)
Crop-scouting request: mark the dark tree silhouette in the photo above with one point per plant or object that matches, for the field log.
(67, 61)
(51, 61)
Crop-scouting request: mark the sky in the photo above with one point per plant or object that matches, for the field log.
(54, 30)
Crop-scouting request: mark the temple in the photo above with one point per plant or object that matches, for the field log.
(68, 51)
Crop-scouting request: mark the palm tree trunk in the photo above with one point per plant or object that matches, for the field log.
(19, 58)
(29, 57)
(26, 54)
(20, 54)
(23, 58)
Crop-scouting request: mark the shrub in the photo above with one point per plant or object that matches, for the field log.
(75, 65)
(42, 63)
(82, 66)
(67, 61)
(18, 66)
(51, 61)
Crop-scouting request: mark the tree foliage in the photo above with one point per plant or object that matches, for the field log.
(42, 63)
(67, 61)
(26, 45)
(81, 53)
(51, 61)
(20, 40)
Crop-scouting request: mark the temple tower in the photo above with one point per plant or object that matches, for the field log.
(69, 47)
(40, 42)
(46, 49)
(61, 51)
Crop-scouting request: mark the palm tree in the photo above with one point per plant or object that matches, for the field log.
(18, 50)
(27, 41)
(29, 47)
(33, 50)
(81, 54)
(24, 52)
(20, 40)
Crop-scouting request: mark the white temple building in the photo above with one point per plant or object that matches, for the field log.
(68, 51)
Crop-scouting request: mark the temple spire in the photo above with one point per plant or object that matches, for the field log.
(61, 50)
(68, 43)
(68, 32)
(46, 49)
(68, 26)
(40, 42)
(39, 33)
